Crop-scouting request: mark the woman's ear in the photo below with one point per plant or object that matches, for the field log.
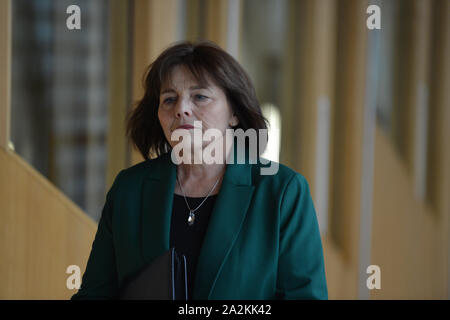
(234, 121)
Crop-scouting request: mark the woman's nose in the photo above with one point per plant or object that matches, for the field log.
(183, 107)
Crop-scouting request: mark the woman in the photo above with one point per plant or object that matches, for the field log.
(245, 235)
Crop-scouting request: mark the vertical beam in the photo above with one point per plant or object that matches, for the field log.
(412, 66)
(308, 70)
(181, 25)
(154, 29)
(118, 88)
(418, 152)
(443, 102)
(223, 23)
(403, 62)
(216, 22)
(162, 13)
(5, 72)
(234, 27)
(316, 69)
(291, 72)
(438, 187)
(348, 132)
(368, 151)
(194, 29)
(322, 55)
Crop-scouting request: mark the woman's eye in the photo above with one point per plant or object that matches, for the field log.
(169, 100)
(200, 97)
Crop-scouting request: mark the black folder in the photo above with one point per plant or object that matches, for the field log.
(164, 278)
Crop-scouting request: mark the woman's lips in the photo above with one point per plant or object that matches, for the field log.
(185, 126)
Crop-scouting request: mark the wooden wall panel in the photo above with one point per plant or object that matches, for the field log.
(407, 236)
(216, 22)
(42, 232)
(347, 134)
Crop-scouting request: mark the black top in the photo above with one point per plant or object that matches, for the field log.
(187, 239)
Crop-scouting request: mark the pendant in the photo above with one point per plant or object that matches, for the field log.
(191, 218)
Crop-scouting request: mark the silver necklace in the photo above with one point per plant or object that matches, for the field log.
(191, 217)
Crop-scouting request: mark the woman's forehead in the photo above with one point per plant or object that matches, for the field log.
(181, 75)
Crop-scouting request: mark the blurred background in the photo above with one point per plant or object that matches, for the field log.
(363, 114)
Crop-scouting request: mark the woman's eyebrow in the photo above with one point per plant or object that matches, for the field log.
(198, 87)
(170, 90)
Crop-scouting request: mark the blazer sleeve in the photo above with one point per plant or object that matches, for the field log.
(301, 270)
(100, 279)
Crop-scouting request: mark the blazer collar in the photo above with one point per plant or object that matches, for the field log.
(225, 223)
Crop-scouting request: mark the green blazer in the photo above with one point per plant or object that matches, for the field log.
(262, 241)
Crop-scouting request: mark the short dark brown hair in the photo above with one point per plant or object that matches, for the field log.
(201, 59)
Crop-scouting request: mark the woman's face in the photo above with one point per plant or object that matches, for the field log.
(183, 100)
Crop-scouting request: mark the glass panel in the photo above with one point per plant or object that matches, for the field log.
(262, 59)
(59, 95)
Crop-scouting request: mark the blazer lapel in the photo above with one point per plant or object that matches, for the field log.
(157, 202)
(225, 223)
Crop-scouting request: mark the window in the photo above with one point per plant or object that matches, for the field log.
(59, 92)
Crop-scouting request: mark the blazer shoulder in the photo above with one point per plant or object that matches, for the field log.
(134, 174)
(278, 172)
